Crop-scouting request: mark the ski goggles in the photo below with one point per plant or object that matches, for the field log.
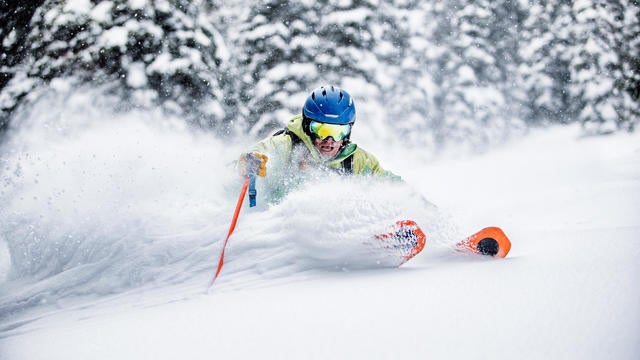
(323, 131)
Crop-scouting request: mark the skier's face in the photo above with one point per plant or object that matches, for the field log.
(328, 148)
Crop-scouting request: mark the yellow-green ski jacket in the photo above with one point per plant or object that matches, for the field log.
(283, 151)
(293, 159)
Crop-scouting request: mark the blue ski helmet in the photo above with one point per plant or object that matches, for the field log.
(331, 105)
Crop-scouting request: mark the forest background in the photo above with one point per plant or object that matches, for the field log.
(461, 72)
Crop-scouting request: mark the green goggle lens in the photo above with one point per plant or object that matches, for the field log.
(323, 131)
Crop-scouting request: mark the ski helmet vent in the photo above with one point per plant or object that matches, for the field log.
(330, 104)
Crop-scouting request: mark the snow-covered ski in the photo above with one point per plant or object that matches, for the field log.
(405, 239)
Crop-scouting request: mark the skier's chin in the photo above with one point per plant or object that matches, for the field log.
(327, 149)
(327, 152)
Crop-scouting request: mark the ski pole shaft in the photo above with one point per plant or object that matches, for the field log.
(232, 227)
(252, 191)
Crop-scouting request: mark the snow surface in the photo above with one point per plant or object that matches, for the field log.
(114, 228)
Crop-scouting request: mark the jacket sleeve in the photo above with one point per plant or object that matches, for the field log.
(273, 145)
(365, 163)
(278, 150)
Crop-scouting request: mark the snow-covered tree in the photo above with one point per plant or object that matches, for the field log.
(404, 44)
(476, 74)
(545, 62)
(14, 18)
(604, 64)
(431, 73)
(151, 51)
(289, 48)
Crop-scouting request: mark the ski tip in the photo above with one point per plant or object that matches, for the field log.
(490, 241)
(417, 235)
(406, 238)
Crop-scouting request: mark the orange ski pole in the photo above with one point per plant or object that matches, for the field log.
(232, 227)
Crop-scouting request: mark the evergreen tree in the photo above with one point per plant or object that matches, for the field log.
(407, 86)
(431, 72)
(289, 48)
(14, 21)
(152, 52)
(604, 64)
(477, 71)
(545, 62)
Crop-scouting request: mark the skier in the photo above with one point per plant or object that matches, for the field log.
(318, 142)
(318, 139)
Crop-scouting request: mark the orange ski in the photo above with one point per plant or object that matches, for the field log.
(490, 241)
(406, 237)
